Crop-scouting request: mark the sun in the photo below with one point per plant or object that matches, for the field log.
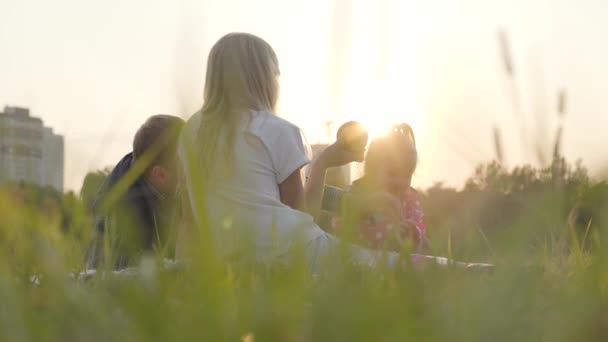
(380, 103)
(377, 128)
(379, 121)
(382, 82)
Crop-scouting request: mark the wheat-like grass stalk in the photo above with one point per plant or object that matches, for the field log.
(498, 146)
(557, 145)
(505, 51)
(562, 98)
(512, 88)
(561, 112)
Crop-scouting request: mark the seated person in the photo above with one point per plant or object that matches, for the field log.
(136, 205)
(388, 209)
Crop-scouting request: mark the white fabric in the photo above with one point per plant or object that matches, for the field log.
(243, 204)
(318, 253)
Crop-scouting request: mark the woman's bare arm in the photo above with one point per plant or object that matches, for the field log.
(292, 191)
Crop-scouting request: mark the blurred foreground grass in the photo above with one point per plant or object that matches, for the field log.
(545, 236)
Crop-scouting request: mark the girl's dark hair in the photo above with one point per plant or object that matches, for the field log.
(395, 150)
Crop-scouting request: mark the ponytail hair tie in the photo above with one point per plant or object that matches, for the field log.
(406, 131)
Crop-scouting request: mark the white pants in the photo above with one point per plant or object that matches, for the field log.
(327, 248)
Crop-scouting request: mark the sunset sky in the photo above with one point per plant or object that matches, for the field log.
(94, 70)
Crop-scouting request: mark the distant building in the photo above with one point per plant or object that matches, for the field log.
(29, 151)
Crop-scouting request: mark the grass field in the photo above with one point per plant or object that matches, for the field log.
(550, 283)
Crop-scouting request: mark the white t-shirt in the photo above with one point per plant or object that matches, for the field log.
(244, 206)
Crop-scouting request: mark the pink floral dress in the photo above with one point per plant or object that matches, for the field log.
(377, 232)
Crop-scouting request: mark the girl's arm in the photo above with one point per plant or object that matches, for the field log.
(313, 189)
(308, 197)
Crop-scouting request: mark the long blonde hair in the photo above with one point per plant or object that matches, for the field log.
(242, 76)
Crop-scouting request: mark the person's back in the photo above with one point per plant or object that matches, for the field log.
(243, 198)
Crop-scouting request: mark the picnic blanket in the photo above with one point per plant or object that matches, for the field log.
(419, 261)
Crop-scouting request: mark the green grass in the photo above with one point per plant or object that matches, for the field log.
(549, 285)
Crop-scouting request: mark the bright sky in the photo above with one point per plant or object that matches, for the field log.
(94, 70)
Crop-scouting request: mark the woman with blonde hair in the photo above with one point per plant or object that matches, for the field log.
(243, 163)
